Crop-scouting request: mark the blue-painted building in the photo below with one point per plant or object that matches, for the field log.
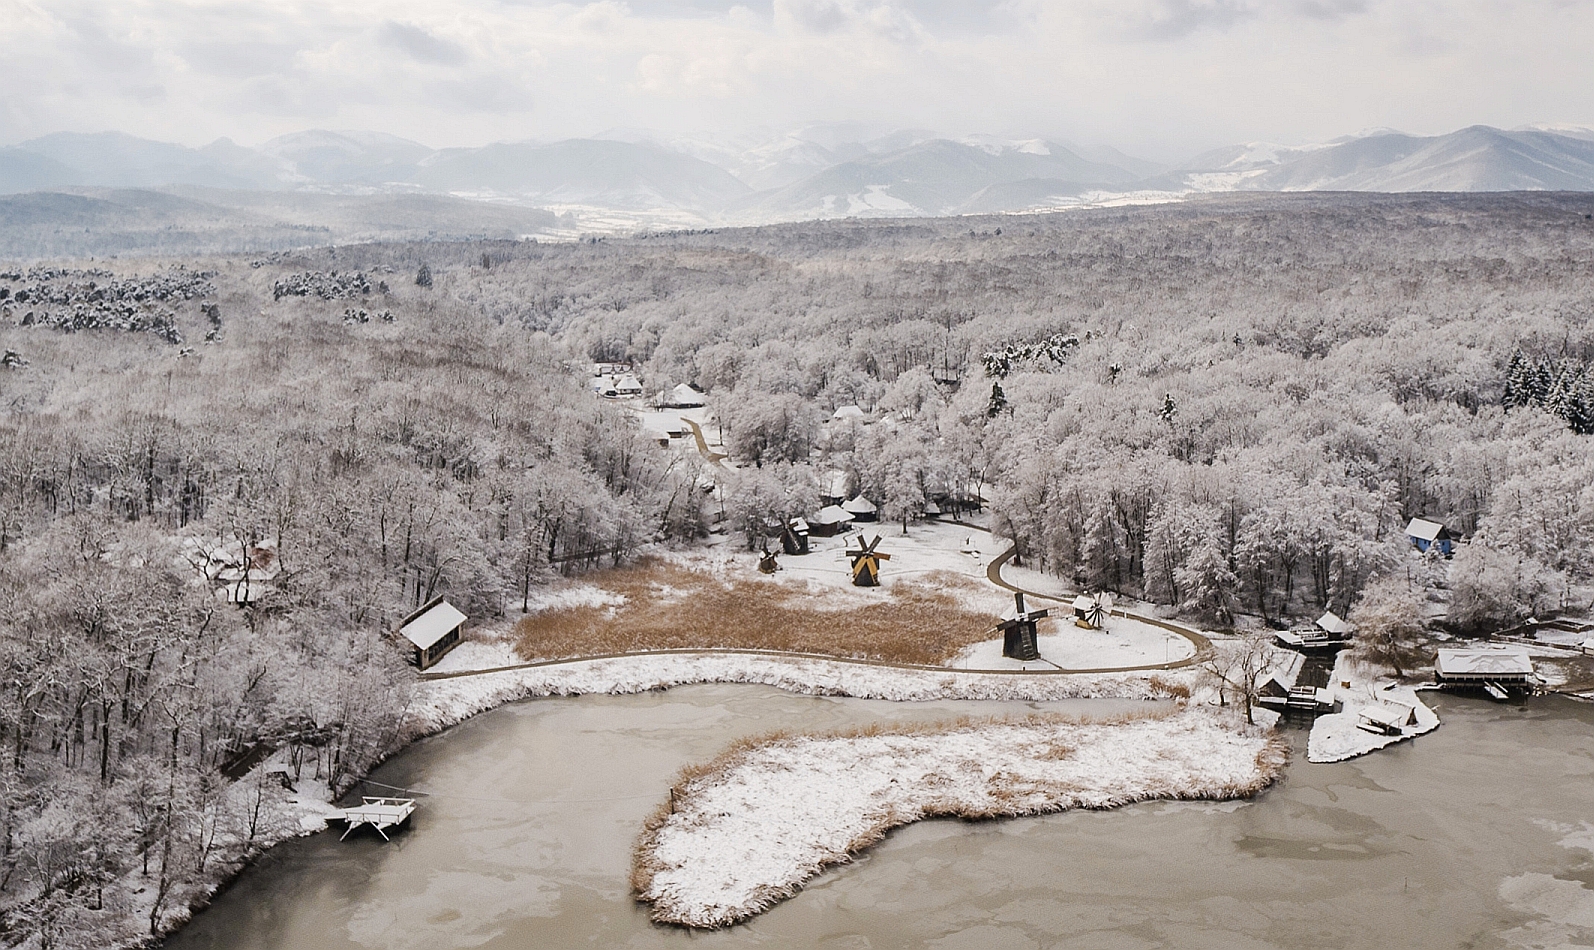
(1428, 535)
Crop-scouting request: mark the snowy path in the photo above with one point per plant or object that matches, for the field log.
(761, 821)
(712, 457)
(1203, 646)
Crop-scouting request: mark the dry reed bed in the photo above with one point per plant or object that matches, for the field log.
(746, 830)
(671, 606)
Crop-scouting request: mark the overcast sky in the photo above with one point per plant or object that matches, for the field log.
(1163, 78)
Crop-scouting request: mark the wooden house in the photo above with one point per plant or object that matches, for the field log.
(616, 387)
(862, 509)
(433, 630)
(1428, 535)
(830, 521)
(682, 396)
(1330, 633)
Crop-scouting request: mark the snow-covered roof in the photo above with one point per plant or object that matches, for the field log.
(1424, 530)
(831, 514)
(685, 396)
(861, 506)
(799, 525)
(848, 412)
(1084, 602)
(1386, 714)
(433, 625)
(1486, 662)
(1333, 623)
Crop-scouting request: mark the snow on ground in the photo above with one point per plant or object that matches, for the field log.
(661, 422)
(1336, 737)
(748, 833)
(479, 651)
(442, 702)
(1126, 642)
(929, 554)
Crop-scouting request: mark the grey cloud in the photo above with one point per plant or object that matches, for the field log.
(1176, 19)
(821, 16)
(1330, 9)
(420, 45)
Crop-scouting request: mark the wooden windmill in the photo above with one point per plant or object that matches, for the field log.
(767, 563)
(1092, 610)
(866, 562)
(1019, 632)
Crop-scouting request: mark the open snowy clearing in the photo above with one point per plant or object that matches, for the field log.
(755, 825)
(929, 551)
(1125, 643)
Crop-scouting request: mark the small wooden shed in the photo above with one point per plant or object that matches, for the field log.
(433, 630)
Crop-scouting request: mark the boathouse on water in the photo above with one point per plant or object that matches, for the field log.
(433, 630)
(1495, 670)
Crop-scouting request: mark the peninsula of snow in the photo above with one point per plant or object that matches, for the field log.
(752, 827)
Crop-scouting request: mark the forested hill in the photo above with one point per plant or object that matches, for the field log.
(1227, 406)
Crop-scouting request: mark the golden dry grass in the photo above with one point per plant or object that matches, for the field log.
(669, 606)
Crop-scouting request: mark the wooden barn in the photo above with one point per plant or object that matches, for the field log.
(682, 396)
(862, 509)
(1428, 535)
(829, 521)
(1498, 671)
(433, 630)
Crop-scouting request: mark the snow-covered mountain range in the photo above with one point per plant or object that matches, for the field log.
(818, 171)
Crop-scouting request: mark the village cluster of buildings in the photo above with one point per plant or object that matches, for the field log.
(620, 381)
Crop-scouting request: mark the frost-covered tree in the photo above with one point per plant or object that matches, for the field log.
(1491, 589)
(1389, 625)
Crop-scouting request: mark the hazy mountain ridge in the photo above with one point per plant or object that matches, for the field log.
(625, 179)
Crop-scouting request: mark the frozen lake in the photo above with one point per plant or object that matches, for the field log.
(1477, 835)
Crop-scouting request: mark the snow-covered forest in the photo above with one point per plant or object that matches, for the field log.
(1230, 407)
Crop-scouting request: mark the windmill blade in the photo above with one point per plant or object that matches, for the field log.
(1018, 600)
(1041, 614)
(881, 557)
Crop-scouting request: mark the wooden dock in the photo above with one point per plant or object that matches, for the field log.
(379, 813)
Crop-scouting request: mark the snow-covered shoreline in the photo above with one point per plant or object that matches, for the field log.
(442, 703)
(1336, 737)
(748, 830)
